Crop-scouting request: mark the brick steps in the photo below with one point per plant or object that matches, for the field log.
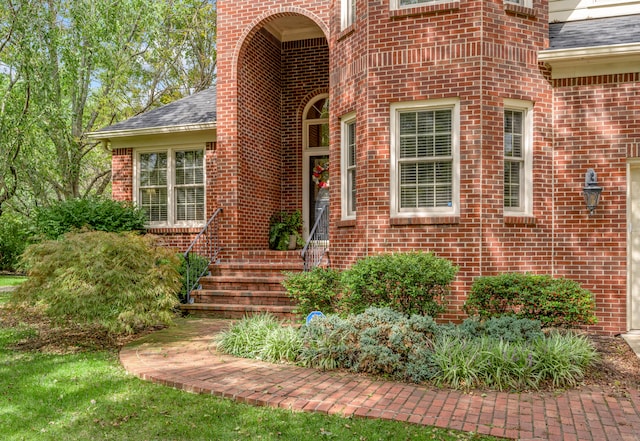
(246, 285)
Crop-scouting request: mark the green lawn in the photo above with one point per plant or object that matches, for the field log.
(88, 396)
(11, 280)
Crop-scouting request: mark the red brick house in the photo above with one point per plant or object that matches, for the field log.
(462, 127)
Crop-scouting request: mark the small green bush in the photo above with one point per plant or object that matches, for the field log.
(122, 282)
(98, 214)
(315, 290)
(412, 283)
(197, 266)
(508, 327)
(328, 343)
(555, 302)
(14, 237)
(263, 337)
(379, 341)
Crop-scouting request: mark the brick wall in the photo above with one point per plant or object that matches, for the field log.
(259, 141)
(480, 52)
(596, 127)
(122, 174)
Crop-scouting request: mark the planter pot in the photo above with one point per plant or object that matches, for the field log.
(293, 242)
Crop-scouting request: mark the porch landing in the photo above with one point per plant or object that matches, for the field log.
(246, 284)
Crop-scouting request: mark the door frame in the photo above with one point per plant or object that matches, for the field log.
(307, 154)
(632, 164)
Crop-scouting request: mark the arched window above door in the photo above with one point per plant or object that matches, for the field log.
(316, 123)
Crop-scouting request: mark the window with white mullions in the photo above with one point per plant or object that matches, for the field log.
(425, 158)
(347, 13)
(189, 185)
(399, 4)
(153, 186)
(513, 158)
(518, 180)
(348, 168)
(170, 186)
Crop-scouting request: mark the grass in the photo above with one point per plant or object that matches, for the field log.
(11, 280)
(89, 396)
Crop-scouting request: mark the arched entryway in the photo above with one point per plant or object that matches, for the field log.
(283, 70)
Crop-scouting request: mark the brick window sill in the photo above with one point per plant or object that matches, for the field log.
(346, 32)
(522, 11)
(424, 10)
(528, 221)
(174, 230)
(424, 220)
(346, 223)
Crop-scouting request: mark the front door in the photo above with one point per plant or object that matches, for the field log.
(634, 248)
(318, 187)
(315, 160)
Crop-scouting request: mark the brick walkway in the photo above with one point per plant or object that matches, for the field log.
(185, 357)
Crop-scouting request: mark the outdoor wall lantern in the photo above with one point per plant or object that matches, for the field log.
(591, 190)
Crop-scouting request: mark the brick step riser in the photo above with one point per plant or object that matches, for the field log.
(237, 314)
(249, 272)
(242, 300)
(241, 286)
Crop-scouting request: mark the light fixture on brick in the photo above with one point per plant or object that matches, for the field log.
(591, 190)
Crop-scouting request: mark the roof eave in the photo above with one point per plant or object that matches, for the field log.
(587, 61)
(162, 130)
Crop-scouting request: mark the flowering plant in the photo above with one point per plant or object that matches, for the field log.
(321, 175)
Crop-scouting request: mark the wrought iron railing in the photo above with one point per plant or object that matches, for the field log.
(204, 250)
(318, 243)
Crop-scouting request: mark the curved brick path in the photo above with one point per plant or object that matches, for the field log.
(184, 357)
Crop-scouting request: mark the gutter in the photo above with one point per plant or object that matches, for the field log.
(161, 130)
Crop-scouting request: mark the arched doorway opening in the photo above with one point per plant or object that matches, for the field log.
(281, 64)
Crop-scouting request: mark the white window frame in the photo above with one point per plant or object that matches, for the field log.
(526, 177)
(347, 13)
(395, 4)
(452, 104)
(171, 185)
(524, 3)
(346, 123)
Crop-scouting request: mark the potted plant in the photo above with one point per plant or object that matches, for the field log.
(284, 230)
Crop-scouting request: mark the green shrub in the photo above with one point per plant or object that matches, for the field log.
(555, 302)
(122, 282)
(508, 327)
(94, 213)
(14, 237)
(379, 341)
(197, 266)
(262, 337)
(315, 290)
(328, 343)
(412, 283)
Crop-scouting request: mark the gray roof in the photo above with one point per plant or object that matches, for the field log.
(195, 109)
(595, 32)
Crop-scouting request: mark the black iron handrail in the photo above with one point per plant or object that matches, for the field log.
(318, 243)
(204, 250)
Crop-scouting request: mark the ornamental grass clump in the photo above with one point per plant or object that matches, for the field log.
(121, 282)
(263, 337)
(559, 360)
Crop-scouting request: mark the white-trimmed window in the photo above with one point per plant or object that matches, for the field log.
(170, 186)
(526, 3)
(347, 13)
(425, 158)
(348, 166)
(401, 4)
(518, 181)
